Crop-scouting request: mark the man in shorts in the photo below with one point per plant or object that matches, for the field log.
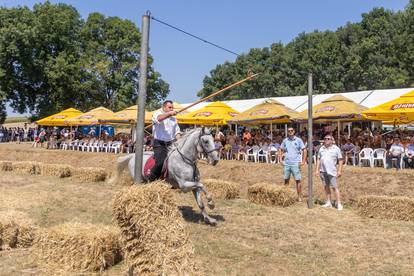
(329, 156)
(295, 155)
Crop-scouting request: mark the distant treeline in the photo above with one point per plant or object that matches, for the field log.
(376, 53)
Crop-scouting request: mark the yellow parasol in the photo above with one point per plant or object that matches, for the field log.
(129, 115)
(91, 117)
(400, 110)
(59, 119)
(268, 112)
(176, 107)
(216, 113)
(336, 108)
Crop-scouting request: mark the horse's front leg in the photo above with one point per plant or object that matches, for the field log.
(190, 185)
(206, 217)
(209, 197)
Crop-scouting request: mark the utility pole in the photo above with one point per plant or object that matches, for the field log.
(142, 97)
(310, 144)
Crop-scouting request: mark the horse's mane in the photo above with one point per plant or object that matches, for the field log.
(183, 138)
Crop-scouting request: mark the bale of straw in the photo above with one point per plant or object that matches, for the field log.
(222, 189)
(89, 174)
(58, 170)
(16, 230)
(271, 194)
(125, 179)
(26, 167)
(153, 231)
(6, 166)
(396, 208)
(78, 247)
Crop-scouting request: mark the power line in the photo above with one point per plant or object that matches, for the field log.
(195, 36)
(218, 46)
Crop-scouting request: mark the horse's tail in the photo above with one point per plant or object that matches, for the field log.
(121, 164)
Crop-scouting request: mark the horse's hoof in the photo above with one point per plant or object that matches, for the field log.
(210, 221)
(211, 204)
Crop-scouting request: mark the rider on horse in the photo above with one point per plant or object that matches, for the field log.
(165, 131)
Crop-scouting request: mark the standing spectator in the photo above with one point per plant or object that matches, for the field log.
(395, 153)
(328, 156)
(295, 156)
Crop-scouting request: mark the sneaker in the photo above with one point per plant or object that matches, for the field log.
(327, 205)
(340, 207)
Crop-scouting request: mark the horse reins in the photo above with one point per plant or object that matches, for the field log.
(188, 160)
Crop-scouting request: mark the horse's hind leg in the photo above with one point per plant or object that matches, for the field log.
(206, 217)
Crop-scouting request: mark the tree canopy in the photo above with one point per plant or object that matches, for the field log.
(376, 53)
(52, 59)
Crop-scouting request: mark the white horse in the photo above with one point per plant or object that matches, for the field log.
(182, 165)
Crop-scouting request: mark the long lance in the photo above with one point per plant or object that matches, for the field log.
(214, 94)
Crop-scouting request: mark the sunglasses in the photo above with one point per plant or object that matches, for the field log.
(327, 138)
(291, 130)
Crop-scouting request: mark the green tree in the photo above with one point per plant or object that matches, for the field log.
(376, 53)
(51, 59)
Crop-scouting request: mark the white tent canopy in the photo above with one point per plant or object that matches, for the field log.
(369, 98)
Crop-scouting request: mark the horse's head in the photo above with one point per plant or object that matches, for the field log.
(206, 145)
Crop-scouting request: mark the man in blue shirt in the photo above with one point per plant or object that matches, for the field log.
(295, 155)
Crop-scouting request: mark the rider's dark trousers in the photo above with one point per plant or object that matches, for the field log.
(160, 154)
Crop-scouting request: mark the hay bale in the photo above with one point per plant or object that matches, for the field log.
(17, 230)
(57, 170)
(222, 189)
(78, 247)
(153, 231)
(271, 194)
(89, 174)
(396, 208)
(26, 167)
(6, 166)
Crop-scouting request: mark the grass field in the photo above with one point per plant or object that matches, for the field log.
(250, 239)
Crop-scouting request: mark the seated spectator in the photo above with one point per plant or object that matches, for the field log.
(348, 150)
(247, 137)
(395, 153)
(218, 146)
(274, 147)
(409, 154)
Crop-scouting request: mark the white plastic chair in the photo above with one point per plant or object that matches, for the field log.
(402, 164)
(261, 153)
(380, 155)
(84, 146)
(64, 145)
(115, 147)
(73, 144)
(252, 152)
(273, 156)
(366, 154)
(95, 146)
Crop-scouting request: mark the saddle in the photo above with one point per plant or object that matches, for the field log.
(151, 163)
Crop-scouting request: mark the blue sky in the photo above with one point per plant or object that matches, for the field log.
(236, 25)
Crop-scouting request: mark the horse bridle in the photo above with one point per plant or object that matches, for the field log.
(205, 151)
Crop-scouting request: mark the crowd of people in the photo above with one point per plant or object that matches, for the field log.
(257, 144)
(398, 145)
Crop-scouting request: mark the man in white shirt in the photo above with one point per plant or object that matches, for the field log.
(328, 156)
(395, 152)
(165, 130)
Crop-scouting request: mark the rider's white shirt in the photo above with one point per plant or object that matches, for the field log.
(165, 130)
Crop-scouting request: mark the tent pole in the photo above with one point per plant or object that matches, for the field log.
(285, 130)
(271, 131)
(349, 129)
(339, 133)
(236, 129)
